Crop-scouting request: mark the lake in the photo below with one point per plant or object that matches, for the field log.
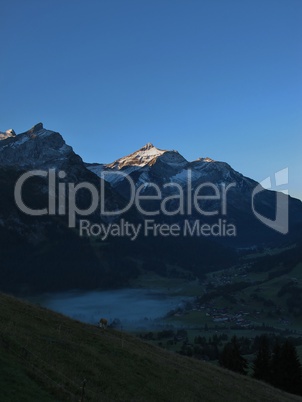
(131, 306)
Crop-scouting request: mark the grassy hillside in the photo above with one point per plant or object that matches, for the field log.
(45, 356)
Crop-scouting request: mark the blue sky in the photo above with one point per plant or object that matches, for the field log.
(218, 78)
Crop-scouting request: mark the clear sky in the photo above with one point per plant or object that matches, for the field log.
(217, 78)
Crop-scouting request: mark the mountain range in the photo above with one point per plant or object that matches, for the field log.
(41, 253)
(151, 168)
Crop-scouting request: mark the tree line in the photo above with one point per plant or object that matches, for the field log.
(279, 366)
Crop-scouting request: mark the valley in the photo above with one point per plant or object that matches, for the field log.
(167, 277)
(243, 301)
(174, 313)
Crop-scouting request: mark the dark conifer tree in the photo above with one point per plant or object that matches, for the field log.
(290, 367)
(262, 361)
(231, 358)
(276, 370)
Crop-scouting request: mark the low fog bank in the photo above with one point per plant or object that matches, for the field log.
(132, 307)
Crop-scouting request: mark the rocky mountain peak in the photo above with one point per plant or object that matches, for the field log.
(35, 148)
(144, 156)
(206, 159)
(7, 134)
(37, 127)
(148, 146)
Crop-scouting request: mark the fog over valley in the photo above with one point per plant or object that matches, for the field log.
(130, 306)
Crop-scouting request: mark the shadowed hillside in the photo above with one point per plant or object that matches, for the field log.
(46, 356)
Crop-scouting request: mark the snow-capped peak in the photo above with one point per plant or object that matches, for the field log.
(7, 134)
(148, 146)
(146, 155)
(206, 159)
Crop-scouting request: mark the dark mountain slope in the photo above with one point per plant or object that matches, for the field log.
(55, 354)
(41, 253)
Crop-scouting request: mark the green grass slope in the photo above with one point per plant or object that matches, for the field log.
(45, 356)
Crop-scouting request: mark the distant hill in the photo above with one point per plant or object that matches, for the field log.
(45, 357)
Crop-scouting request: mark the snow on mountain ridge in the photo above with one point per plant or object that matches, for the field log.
(168, 164)
(18, 139)
(206, 159)
(146, 155)
(7, 134)
(36, 147)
